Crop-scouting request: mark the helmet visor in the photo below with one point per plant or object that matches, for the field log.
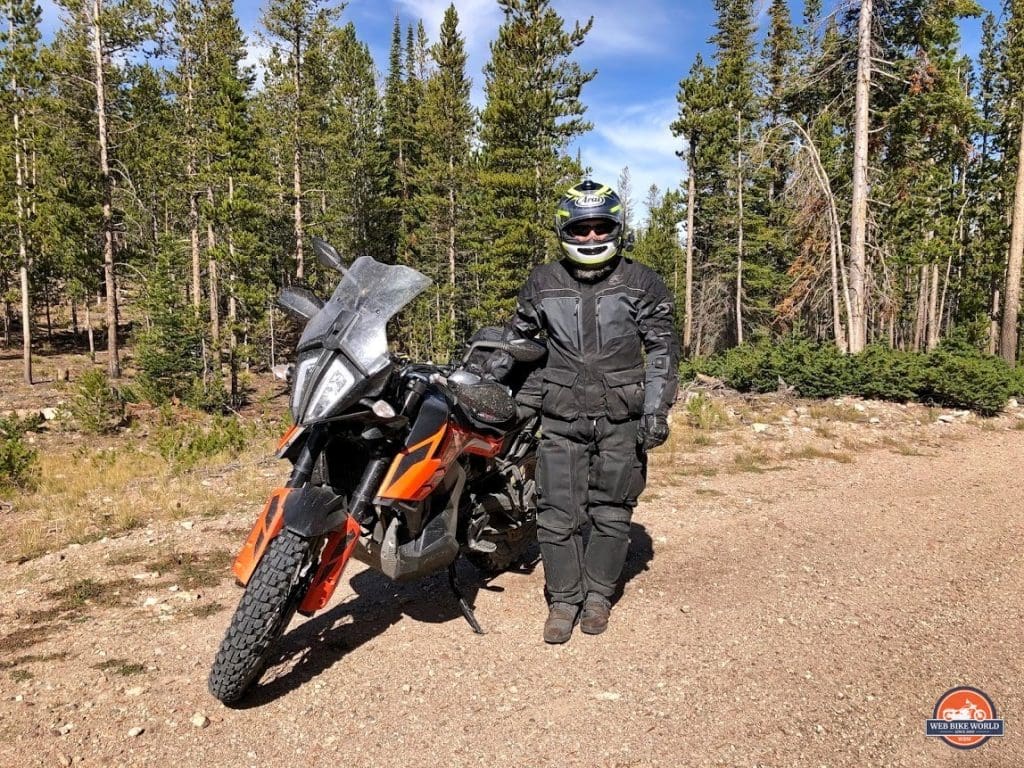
(591, 230)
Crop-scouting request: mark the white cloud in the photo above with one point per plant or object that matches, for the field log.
(478, 19)
(647, 28)
(478, 24)
(635, 135)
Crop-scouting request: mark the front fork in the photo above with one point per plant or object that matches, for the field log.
(313, 512)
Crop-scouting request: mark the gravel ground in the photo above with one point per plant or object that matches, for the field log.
(810, 615)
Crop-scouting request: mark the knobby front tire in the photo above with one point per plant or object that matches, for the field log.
(267, 606)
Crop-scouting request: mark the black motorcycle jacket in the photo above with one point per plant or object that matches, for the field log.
(596, 334)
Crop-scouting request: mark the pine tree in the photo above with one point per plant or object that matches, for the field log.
(358, 161)
(658, 244)
(289, 26)
(98, 29)
(978, 298)
(442, 185)
(532, 113)
(697, 97)
(21, 96)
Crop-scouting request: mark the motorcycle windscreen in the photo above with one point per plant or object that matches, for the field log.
(356, 317)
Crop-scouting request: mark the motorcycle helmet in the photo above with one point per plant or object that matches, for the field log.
(589, 223)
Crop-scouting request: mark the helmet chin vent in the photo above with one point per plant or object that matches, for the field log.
(590, 256)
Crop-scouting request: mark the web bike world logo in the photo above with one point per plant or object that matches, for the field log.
(964, 718)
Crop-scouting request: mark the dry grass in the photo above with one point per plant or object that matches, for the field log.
(194, 569)
(694, 470)
(832, 411)
(902, 447)
(753, 460)
(87, 493)
(121, 667)
(704, 413)
(812, 452)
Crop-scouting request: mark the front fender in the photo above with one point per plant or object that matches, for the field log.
(314, 511)
(308, 511)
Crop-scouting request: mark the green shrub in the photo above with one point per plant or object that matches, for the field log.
(97, 406)
(746, 368)
(169, 351)
(883, 373)
(954, 375)
(1017, 383)
(18, 461)
(957, 380)
(186, 445)
(813, 369)
(208, 393)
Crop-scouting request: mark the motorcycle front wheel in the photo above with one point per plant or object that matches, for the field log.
(274, 591)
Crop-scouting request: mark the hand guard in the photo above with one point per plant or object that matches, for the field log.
(653, 431)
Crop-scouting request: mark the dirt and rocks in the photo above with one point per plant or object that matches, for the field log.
(804, 580)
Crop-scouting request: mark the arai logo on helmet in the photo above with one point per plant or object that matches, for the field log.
(590, 201)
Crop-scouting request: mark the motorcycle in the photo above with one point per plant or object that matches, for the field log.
(404, 466)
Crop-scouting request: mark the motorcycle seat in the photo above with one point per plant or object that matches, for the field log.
(485, 404)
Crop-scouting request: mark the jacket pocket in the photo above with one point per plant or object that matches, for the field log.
(624, 394)
(560, 398)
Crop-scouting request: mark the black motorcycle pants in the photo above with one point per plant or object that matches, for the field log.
(588, 470)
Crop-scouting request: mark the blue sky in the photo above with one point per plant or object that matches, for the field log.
(640, 49)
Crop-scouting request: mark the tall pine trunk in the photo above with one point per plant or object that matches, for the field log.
(859, 205)
(211, 244)
(993, 326)
(1011, 300)
(739, 231)
(691, 203)
(451, 248)
(300, 267)
(26, 303)
(933, 307)
(109, 244)
(921, 316)
(232, 304)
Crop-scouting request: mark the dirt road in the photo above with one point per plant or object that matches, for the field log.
(806, 616)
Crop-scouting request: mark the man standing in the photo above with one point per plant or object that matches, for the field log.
(604, 404)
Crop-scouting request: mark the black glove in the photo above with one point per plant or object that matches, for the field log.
(653, 430)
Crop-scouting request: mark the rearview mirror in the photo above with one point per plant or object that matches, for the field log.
(521, 350)
(328, 255)
(526, 350)
(299, 302)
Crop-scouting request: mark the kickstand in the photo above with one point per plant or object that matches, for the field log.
(467, 611)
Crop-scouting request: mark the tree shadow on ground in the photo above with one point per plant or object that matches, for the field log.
(314, 647)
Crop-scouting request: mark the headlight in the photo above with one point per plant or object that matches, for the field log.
(300, 378)
(333, 386)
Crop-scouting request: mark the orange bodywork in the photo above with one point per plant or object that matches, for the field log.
(337, 551)
(415, 470)
(267, 526)
(287, 437)
(418, 469)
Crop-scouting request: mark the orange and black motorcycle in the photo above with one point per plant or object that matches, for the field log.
(404, 466)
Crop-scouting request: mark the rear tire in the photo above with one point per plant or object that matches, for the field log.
(273, 593)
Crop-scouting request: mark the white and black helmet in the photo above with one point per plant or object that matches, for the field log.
(589, 223)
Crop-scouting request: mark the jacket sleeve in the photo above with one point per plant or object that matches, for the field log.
(526, 323)
(656, 320)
